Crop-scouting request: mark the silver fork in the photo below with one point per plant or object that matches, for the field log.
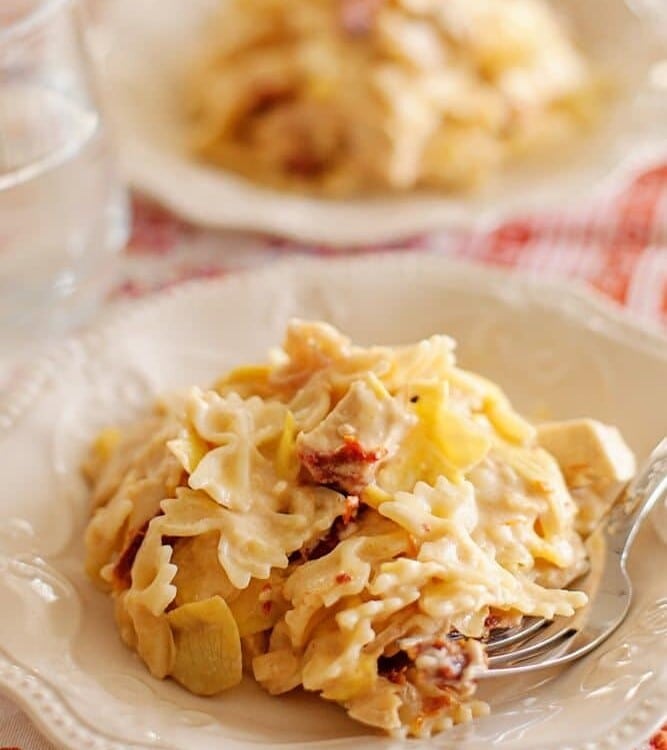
(542, 644)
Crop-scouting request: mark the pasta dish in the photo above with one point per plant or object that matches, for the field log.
(342, 97)
(352, 521)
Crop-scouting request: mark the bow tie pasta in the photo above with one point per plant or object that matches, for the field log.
(352, 521)
(346, 97)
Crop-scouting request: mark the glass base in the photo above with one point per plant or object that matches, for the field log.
(69, 303)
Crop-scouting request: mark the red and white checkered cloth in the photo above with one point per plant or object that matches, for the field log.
(618, 246)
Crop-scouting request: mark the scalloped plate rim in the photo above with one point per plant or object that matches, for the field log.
(53, 722)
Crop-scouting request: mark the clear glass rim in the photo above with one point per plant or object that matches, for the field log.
(32, 20)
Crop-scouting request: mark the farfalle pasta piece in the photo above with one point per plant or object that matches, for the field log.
(250, 544)
(132, 476)
(198, 573)
(344, 572)
(354, 521)
(379, 707)
(153, 572)
(229, 426)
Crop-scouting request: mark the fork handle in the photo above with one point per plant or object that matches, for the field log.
(642, 494)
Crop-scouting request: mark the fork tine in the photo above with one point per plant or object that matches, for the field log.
(517, 635)
(550, 657)
(533, 648)
(612, 589)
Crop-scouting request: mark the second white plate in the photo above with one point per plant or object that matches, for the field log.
(150, 42)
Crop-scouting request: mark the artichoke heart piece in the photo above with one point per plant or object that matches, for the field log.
(461, 441)
(259, 606)
(444, 442)
(536, 466)
(200, 575)
(362, 681)
(208, 647)
(154, 639)
(496, 405)
(509, 424)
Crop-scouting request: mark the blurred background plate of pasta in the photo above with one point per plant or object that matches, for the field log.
(151, 49)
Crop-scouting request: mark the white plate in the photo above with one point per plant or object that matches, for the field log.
(549, 346)
(143, 74)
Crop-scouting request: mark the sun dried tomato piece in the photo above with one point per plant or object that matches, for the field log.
(358, 16)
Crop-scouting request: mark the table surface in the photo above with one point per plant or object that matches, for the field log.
(618, 246)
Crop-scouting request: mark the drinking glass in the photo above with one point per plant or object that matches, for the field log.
(63, 211)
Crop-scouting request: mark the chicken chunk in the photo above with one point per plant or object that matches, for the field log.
(595, 461)
(364, 428)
